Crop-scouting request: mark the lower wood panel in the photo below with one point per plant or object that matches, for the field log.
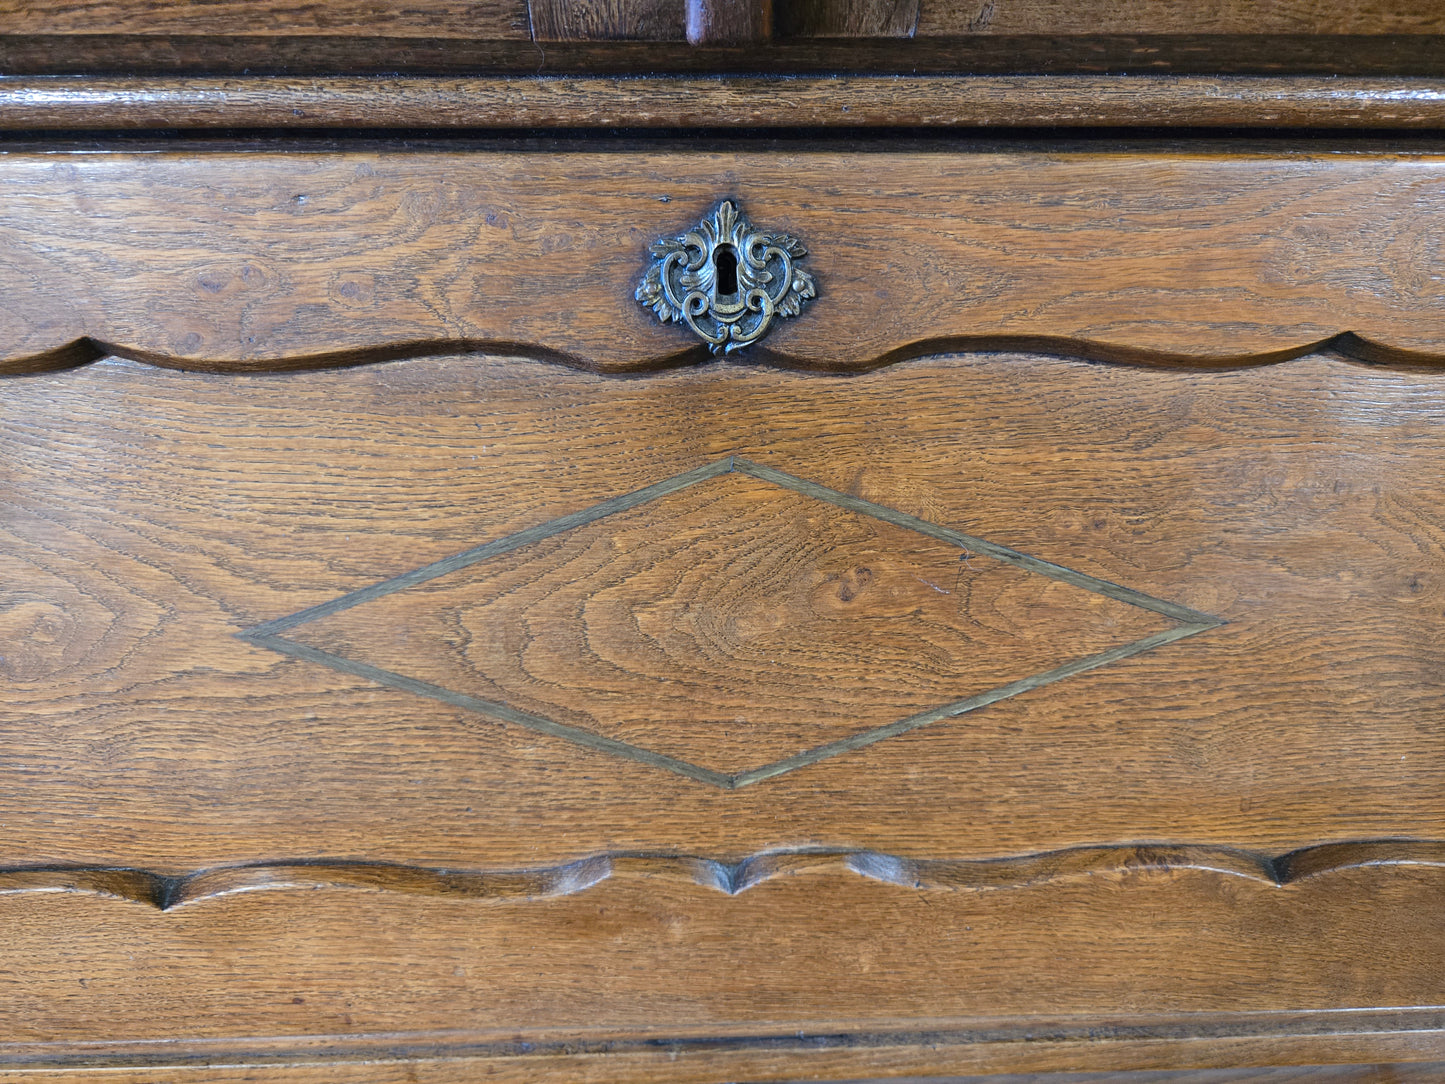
(1219, 849)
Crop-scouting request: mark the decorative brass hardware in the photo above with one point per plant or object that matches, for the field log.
(726, 279)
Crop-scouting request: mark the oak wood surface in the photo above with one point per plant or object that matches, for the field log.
(145, 506)
(386, 1059)
(665, 20)
(312, 53)
(429, 37)
(271, 18)
(847, 18)
(1321, 1074)
(505, 18)
(151, 515)
(1220, 850)
(460, 1069)
(823, 978)
(230, 260)
(501, 877)
(1179, 17)
(430, 1070)
(770, 629)
(729, 23)
(607, 20)
(1074, 101)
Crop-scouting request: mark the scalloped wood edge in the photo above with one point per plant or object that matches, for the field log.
(334, 258)
(166, 892)
(1347, 344)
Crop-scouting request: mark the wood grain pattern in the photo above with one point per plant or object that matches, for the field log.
(309, 51)
(1180, 17)
(501, 18)
(847, 18)
(270, 18)
(1074, 101)
(739, 628)
(168, 891)
(432, 1069)
(1120, 1042)
(214, 855)
(818, 974)
(1309, 1074)
(150, 515)
(607, 20)
(729, 23)
(229, 261)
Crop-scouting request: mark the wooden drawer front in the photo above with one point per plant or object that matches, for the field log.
(237, 261)
(985, 711)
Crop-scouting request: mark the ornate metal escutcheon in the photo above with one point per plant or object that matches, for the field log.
(726, 279)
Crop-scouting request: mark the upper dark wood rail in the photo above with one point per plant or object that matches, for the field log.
(857, 101)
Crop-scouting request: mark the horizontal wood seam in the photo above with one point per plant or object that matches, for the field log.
(882, 1035)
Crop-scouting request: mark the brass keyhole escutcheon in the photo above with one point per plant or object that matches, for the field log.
(727, 280)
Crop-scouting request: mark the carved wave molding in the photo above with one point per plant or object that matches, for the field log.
(1346, 344)
(167, 892)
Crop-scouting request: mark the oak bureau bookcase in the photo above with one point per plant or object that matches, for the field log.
(704, 540)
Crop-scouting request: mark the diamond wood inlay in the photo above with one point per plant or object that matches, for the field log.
(731, 623)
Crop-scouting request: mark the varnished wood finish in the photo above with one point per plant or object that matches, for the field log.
(642, 1059)
(729, 23)
(1211, 839)
(268, 18)
(674, 102)
(417, 663)
(312, 53)
(848, 18)
(431, 1070)
(710, 1060)
(429, 36)
(757, 613)
(607, 20)
(151, 515)
(1310, 1074)
(500, 18)
(168, 891)
(234, 261)
(1181, 17)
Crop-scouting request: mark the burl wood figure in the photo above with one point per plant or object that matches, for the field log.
(854, 602)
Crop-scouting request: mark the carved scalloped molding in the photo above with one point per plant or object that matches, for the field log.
(1347, 344)
(166, 892)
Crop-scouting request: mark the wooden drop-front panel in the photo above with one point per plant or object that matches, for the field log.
(985, 711)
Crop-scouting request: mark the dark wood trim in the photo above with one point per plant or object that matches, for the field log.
(729, 22)
(308, 54)
(1118, 1041)
(1070, 101)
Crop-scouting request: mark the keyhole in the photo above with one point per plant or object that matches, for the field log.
(725, 261)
